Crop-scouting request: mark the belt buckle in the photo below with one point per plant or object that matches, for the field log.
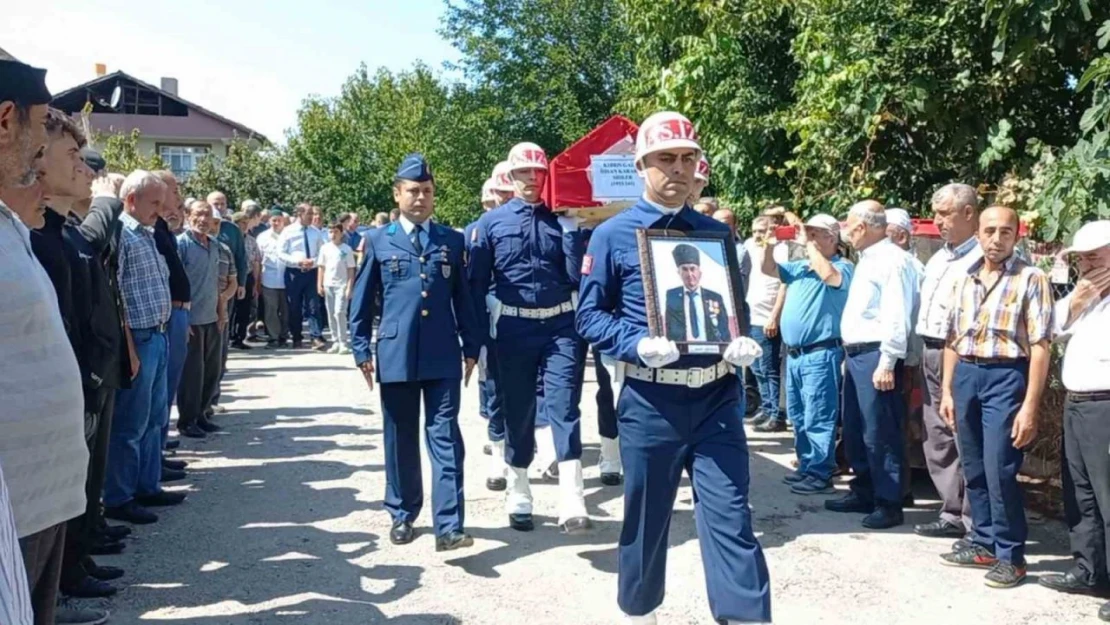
(695, 378)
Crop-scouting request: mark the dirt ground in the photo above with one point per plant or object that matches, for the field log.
(284, 524)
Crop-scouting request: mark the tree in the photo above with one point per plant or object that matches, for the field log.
(248, 172)
(122, 155)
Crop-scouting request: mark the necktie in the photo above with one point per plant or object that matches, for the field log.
(694, 315)
(307, 247)
(416, 238)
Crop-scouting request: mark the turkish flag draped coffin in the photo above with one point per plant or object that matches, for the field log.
(570, 186)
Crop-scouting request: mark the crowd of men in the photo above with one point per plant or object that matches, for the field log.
(122, 299)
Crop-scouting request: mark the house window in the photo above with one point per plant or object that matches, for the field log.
(182, 159)
(139, 101)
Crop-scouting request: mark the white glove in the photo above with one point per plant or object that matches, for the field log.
(494, 306)
(742, 352)
(483, 365)
(570, 224)
(657, 352)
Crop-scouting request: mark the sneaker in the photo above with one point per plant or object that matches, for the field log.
(974, 556)
(334, 349)
(1005, 575)
(940, 528)
(793, 478)
(755, 418)
(69, 614)
(343, 351)
(811, 486)
(770, 426)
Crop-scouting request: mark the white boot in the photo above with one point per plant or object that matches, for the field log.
(545, 452)
(610, 461)
(518, 500)
(572, 497)
(496, 468)
(647, 619)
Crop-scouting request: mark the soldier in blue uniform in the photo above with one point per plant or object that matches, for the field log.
(418, 267)
(676, 411)
(532, 259)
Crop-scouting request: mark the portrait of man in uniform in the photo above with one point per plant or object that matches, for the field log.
(694, 313)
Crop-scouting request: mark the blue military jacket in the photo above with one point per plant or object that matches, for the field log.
(521, 251)
(426, 306)
(612, 310)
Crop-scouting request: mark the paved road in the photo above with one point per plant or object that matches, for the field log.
(284, 524)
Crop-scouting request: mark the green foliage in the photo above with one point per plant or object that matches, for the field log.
(121, 153)
(248, 172)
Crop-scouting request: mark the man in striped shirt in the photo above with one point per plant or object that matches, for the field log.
(995, 366)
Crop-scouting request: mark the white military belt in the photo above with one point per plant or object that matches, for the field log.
(692, 378)
(537, 313)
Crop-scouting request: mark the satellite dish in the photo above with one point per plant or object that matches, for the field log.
(117, 93)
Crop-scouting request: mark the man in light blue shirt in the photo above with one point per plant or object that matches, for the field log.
(298, 248)
(816, 294)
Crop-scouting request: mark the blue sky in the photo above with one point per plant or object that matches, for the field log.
(253, 61)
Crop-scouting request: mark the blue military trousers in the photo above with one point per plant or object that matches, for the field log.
(987, 397)
(135, 443)
(404, 491)
(606, 402)
(873, 431)
(665, 430)
(491, 400)
(520, 366)
(813, 406)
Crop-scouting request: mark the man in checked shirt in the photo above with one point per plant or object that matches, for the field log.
(995, 366)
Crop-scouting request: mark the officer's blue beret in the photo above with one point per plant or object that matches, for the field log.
(414, 168)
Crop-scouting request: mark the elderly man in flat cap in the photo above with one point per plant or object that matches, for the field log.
(694, 313)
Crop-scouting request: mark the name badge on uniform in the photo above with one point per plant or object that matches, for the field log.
(395, 266)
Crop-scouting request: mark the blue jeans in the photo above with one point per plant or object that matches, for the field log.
(987, 398)
(813, 406)
(178, 337)
(767, 372)
(135, 446)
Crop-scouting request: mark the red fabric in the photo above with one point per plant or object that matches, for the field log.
(568, 182)
(926, 228)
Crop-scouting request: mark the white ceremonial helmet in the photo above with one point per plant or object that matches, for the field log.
(702, 172)
(487, 192)
(664, 131)
(500, 178)
(527, 156)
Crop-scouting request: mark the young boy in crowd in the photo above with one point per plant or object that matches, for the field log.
(334, 282)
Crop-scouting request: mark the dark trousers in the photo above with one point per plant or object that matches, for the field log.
(987, 398)
(404, 493)
(241, 312)
(491, 399)
(768, 374)
(200, 376)
(665, 430)
(300, 295)
(942, 454)
(276, 311)
(98, 460)
(606, 401)
(519, 370)
(80, 530)
(873, 431)
(42, 555)
(1087, 486)
(225, 344)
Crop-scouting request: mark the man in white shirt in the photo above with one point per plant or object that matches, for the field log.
(956, 215)
(274, 307)
(875, 329)
(298, 247)
(1082, 318)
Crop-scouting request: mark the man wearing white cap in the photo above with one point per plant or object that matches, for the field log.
(676, 411)
(816, 295)
(1082, 319)
(701, 181)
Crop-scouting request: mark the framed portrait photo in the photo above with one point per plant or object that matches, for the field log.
(692, 284)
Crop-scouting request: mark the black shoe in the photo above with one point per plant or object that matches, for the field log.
(130, 512)
(939, 529)
(883, 518)
(274, 345)
(89, 588)
(521, 522)
(757, 417)
(770, 426)
(176, 465)
(160, 499)
(402, 533)
(114, 532)
(487, 449)
(497, 484)
(1072, 584)
(172, 444)
(850, 503)
(209, 427)
(908, 501)
(793, 478)
(192, 431)
(170, 475)
(758, 420)
(298, 344)
(106, 548)
(974, 556)
(103, 573)
(577, 525)
(1005, 575)
(241, 345)
(453, 540)
(611, 479)
(1104, 612)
